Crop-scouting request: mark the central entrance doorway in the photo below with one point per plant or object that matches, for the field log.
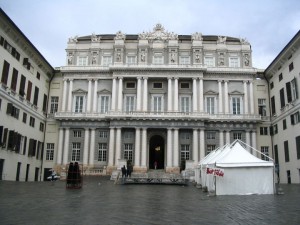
(156, 152)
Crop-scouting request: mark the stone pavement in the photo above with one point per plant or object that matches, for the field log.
(100, 201)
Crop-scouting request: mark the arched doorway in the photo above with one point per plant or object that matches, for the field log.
(156, 152)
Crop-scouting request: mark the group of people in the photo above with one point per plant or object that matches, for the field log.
(127, 172)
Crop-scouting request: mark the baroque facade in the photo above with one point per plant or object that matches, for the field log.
(153, 97)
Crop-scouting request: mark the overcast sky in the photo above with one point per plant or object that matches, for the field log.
(267, 24)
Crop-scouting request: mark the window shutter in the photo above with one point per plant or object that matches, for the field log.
(292, 119)
(9, 109)
(25, 143)
(282, 101)
(288, 91)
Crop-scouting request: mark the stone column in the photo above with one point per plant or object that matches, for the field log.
(60, 146)
(221, 141)
(170, 94)
(118, 146)
(70, 96)
(169, 147)
(226, 97)
(120, 95)
(138, 94)
(202, 146)
(111, 147)
(92, 147)
(220, 97)
(114, 95)
(176, 95)
(95, 99)
(66, 146)
(144, 147)
(251, 98)
(145, 95)
(195, 97)
(64, 98)
(227, 137)
(254, 142)
(245, 98)
(176, 148)
(137, 147)
(86, 146)
(89, 96)
(195, 146)
(201, 95)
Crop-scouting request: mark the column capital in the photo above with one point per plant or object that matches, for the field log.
(220, 81)
(65, 79)
(90, 79)
(95, 79)
(70, 79)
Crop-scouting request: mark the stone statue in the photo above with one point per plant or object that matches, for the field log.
(118, 57)
(244, 41)
(173, 55)
(197, 36)
(120, 36)
(143, 56)
(246, 60)
(70, 58)
(73, 39)
(221, 40)
(94, 38)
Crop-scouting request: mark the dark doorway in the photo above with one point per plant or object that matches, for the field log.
(288, 173)
(47, 173)
(27, 172)
(156, 152)
(36, 174)
(1, 168)
(18, 171)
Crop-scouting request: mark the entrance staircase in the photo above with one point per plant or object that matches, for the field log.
(151, 177)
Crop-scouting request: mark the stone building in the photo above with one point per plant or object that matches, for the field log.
(283, 75)
(24, 89)
(154, 97)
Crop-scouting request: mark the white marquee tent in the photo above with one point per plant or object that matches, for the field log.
(232, 170)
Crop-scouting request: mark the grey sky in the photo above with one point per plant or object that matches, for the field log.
(267, 24)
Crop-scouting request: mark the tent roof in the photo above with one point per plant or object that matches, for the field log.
(234, 156)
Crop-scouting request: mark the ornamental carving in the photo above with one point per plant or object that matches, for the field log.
(120, 36)
(244, 41)
(197, 36)
(95, 38)
(158, 33)
(73, 39)
(221, 40)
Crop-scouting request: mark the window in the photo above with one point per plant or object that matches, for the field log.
(106, 60)
(282, 100)
(38, 75)
(291, 66)
(284, 124)
(237, 136)
(75, 151)
(12, 111)
(262, 107)
(263, 130)
(36, 96)
(209, 61)
(22, 86)
(158, 58)
(82, 61)
(157, 103)
(130, 85)
(210, 148)
(273, 107)
(298, 146)
(210, 135)
(280, 77)
(79, 105)
(45, 103)
(157, 85)
(42, 127)
(185, 152)
(5, 72)
(184, 85)
(103, 134)
(185, 136)
(276, 154)
(50, 151)
(54, 104)
(129, 103)
(236, 104)
(77, 133)
(210, 105)
(271, 85)
(291, 90)
(234, 62)
(103, 103)
(128, 135)
(295, 118)
(24, 117)
(29, 87)
(185, 105)
(184, 60)
(128, 149)
(31, 121)
(14, 80)
(286, 151)
(131, 59)
(102, 152)
(275, 129)
(265, 151)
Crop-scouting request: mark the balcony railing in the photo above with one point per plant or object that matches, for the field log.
(155, 115)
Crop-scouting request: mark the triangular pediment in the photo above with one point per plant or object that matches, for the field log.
(79, 90)
(211, 92)
(104, 91)
(235, 93)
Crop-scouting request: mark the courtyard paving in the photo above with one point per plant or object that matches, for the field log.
(100, 201)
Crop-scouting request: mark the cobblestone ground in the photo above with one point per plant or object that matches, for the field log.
(100, 201)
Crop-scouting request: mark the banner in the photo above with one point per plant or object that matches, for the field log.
(215, 172)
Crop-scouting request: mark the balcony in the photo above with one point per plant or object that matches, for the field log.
(156, 116)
